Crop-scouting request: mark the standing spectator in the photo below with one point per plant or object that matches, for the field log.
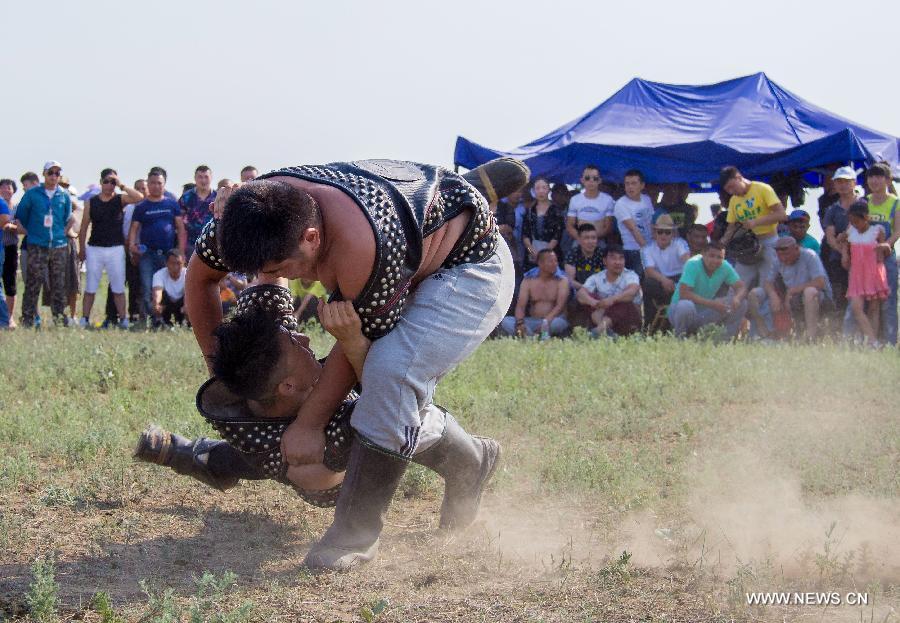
(73, 265)
(797, 284)
(197, 206)
(829, 190)
(714, 210)
(10, 250)
(674, 203)
(798, 226)
(510, 213)
(696, 302)
(105, 250)
(542, 225)
(5, 214)
(755, 206)
(883, 212)
(863, 256)
(224, 183)
(541, 305)
(591, 205)
(634, 215)
(249, 173)
(43, 215)
(157, 220)
(664, 260)
(835, 223)
(29, 180)
(560, 196)
(583, 261)
(614, 296)
(697, 239)
(168, 290)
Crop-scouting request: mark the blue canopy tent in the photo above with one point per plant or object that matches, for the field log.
(678, 133)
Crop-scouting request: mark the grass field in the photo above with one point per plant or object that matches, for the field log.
(642, 481)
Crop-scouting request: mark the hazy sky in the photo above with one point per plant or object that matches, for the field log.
(130, 85)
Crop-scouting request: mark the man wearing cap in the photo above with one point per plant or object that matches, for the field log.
(754, 206)
(44, 214)
(835, 223)
(798, 226)
(883, 210)
(797, 283)
(664, 260)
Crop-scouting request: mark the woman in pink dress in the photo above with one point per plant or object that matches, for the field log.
(863, 256)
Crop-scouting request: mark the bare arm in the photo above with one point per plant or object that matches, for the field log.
(570, 273)
(82, 234)
(729, 233)
(776, 214)
(624, 296)
(687, 293)
(201, 301)
(522, 303)
(570, 227)
(133, 232)
(630, 226)
(341, 320)
(130, 195)
(562, 295)
(181, 233)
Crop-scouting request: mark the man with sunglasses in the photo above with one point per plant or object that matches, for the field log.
(106, 248)
(43, 215)
(590, 205)
(664, 260)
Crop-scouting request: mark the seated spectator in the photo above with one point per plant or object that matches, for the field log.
(797, 284)
(664, 260)
(168, 290)
(583, 261)
(798, 225)
(697, 239)
(542, 301)
(307, 295)
(696, 302)
(542, 224)
(614, 296)
(674, 204)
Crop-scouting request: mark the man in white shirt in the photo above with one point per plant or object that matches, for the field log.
(590, 205)
(614, 296)
(634, 215)
(168, 290)
(664, 260)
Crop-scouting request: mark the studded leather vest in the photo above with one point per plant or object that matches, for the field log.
(404, 202)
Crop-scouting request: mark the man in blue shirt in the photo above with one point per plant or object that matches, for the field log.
(44, 214)
(197, 206)
(157, 221)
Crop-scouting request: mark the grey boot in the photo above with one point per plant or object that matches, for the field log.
(466, 463)
(370, 481)
(185, 456)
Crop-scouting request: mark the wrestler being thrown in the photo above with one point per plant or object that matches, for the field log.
(416, 250)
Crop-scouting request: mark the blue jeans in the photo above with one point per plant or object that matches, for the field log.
(4, 310)
(151, 261)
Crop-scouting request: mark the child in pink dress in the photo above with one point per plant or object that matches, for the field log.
(864, 258)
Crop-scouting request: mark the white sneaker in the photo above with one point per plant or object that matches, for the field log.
(83, 322)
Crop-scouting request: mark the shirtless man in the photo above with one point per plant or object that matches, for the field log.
(417, 251)
(542, 301)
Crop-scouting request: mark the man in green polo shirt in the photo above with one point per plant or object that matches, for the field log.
(696, 303)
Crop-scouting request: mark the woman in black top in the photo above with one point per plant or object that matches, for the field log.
(543, 224)
(106, 247)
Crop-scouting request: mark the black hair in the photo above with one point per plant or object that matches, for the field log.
(107, 171)
(9, 182)
(30, 176)
(202, 169)
(543, 252)
(726, 175)
(592, 167)
(859, 208)
(263, 221)
(249, 167)
(879, 169)
(188, 186)
(698, 228)
(174, 253)
(247, 354)
(634, 173)
(614, 248)
(158, 171)
(586, 227)
(715, 244)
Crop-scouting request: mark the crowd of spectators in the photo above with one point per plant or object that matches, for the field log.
(613, 259)
(622, 259)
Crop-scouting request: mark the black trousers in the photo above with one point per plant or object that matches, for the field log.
(10, 266)
(171, 310)
(135, 292)
(654, 299)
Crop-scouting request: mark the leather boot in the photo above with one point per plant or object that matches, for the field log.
(370, 481)
(466, 463)
(185, 456)
(498, 178)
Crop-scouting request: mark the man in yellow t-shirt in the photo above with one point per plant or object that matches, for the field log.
(755, 206)
(306, 298)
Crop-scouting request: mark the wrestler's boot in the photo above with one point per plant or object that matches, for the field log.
(370, 481)
(498, 178)
(185, 456)
(466, 463)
